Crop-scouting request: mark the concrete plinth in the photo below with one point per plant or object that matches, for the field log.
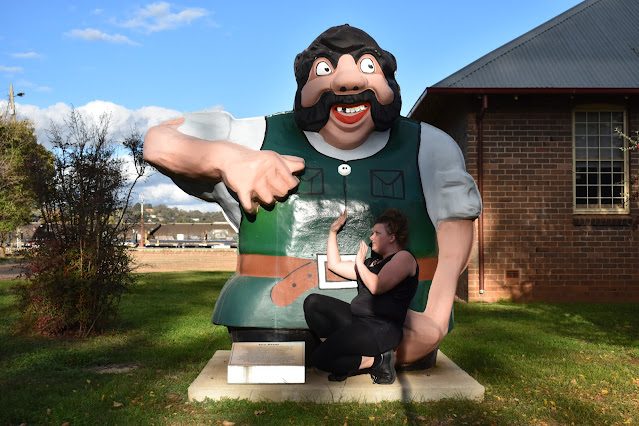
(445, 380)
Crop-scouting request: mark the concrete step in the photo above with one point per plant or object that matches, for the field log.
(445, 380)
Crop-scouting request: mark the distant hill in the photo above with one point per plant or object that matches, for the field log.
(164, 214)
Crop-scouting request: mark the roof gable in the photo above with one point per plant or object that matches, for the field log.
(588, 46)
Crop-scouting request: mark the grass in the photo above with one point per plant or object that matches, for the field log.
(540, 363)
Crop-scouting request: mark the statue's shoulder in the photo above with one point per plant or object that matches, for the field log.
(403, 119)
(406, 127)
(284, 115)
(282, 122)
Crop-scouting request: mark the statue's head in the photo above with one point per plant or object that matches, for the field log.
(346, 87)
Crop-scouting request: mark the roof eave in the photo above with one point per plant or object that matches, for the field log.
(528, 90)
(522, 90)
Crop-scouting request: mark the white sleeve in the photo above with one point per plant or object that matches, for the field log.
(450, 192)
(220, 125)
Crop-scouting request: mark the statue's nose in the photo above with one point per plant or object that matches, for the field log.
(348, 78)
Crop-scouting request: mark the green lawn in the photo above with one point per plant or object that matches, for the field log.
(540, 363)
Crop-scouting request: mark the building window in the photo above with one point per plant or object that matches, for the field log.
(600, 163)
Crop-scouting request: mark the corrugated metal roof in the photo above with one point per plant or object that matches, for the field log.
(588, 46)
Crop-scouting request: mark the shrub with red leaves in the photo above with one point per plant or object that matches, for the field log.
(80, 268)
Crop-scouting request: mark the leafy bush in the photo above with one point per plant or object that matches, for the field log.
(80, 267)
(18, 148)
(69, 290)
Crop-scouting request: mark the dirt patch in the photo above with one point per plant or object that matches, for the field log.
(115, 368)
(174, 259)
(9, 270)
(160, 260)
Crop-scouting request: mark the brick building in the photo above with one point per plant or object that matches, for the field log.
(536, 120)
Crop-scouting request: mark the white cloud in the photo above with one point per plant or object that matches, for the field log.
(157, 188)
(165, 193)
(26, 55)
(122, 121)
(32, 86)
(97, 11)
(92, 34)
(158, 17)
(11, 69)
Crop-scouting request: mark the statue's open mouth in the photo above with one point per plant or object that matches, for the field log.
(350, 114)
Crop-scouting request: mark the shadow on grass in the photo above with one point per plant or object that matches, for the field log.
(548, 351)
(163, 330)
(145, 320)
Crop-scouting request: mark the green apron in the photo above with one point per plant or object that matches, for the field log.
(298, 227)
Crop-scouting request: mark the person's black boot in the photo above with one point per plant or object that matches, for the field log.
(384, 372)
(337, 377)
(425, 363)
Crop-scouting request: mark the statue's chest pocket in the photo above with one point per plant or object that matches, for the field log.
(388, 184)
(311, 182)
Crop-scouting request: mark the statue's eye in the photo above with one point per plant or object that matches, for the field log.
(367, 66)
(323, 68)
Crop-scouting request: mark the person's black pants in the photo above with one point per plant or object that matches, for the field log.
(348, 338)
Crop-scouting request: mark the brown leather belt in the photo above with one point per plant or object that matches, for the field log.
(299, 275)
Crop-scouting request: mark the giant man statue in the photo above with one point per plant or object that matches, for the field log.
(281, 181)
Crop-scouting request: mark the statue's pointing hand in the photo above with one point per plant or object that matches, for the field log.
(260, 177)
(257, 177)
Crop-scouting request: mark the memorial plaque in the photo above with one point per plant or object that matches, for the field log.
(267, 362)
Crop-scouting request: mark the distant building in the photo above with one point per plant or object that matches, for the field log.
(190, 232)
(221, 232)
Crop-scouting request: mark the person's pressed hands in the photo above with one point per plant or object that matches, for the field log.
(260, 177)
(339, 223)
(361, 255)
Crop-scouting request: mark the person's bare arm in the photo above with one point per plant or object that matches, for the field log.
(334, 261)
(257, 177)
(395, 271)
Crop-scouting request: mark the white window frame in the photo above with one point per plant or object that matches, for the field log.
(581, 153)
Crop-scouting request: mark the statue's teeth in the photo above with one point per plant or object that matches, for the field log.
(353, 110)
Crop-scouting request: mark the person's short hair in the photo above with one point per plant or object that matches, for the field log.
(396, 223)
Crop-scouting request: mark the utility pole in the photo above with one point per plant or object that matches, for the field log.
(12, 112)
(141, 221)
(12, 105)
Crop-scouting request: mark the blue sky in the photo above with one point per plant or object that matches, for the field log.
(150, 61)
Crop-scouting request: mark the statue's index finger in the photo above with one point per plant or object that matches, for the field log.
(295, 164)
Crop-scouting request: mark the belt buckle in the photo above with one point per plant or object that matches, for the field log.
(324, 284)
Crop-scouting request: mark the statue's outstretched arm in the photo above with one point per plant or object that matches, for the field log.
(257, 177)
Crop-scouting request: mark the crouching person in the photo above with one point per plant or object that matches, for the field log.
(361, 337)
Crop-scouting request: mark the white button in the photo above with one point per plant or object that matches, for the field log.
(344, 169)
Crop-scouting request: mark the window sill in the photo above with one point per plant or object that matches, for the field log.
(602, 220)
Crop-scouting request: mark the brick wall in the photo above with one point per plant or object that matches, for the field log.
(529, 226)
